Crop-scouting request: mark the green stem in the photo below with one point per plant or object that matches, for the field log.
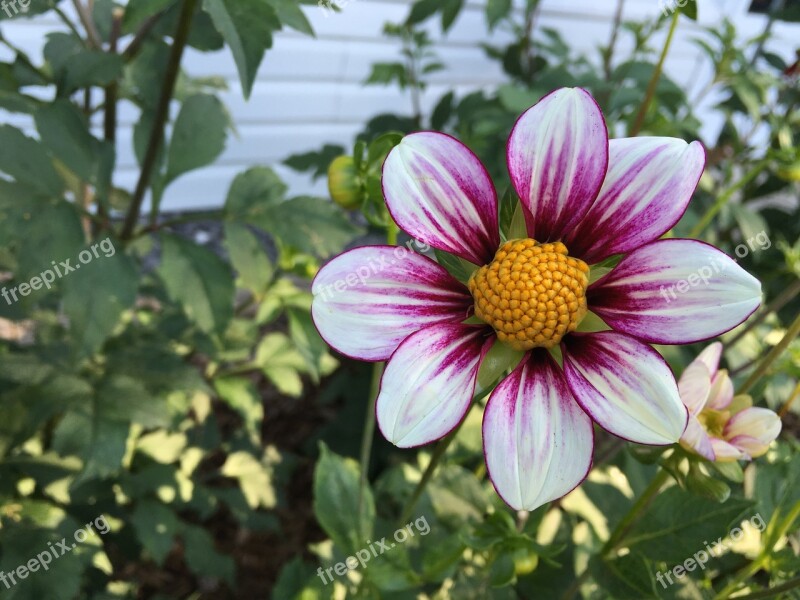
(724, 198)
(635, 513)
(161, 116)
(367, 436)
(369, 419)
(746, 573)
(653, 85)
(437, 455)
(772, 592)
(780, 347)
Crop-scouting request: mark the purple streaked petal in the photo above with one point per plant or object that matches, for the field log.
(649, 184)
(696, 439)
(557, 158)
(429, 382)
(694, 386)
(675, 292)
(439, 192)
(625, 386)
(537, 441)
(368, 300)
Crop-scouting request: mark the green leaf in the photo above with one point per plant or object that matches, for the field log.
(42, 244)
(450, 11)
(248, 257)
(678, 524)
(421, 10)
(255, 479)
(75, 67)
(247, 27)
(198, 136)
(307, 340)
(241, 394)
(25, 160)
(203, 558)
(96, 296)
(289, 13)
(156, 526)
(199, 280)
(64, 131)
(336, 490)
(629, 577)
(458, 267)
(251, 195)
(443, 111)
(496, 11)
(280, 361)
(386, 73)
(311, 225)
(138, 10)
(689, 9)
(316, 161)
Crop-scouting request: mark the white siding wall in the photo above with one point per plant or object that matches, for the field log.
(309, 91)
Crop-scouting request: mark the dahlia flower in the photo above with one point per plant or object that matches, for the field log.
(721, 427)
(585, 199)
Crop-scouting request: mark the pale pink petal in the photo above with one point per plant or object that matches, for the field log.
(625, 386)
(753, 430)
(557, 157)
(721, 394)
(429, 383)
(368, 300)
(697, 440)
(710, 356)
(694, 386)
(537, 441)
(675, 292)
(440, 193)
(725, 452)
(649, 184)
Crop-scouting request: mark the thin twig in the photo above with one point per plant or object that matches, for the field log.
(776, 305)
(780, 347)
(160, 118)
(140, 36)
(95, 41)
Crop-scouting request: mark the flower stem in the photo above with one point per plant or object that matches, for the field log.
(746, 573)
(437, 455)
(791, 334)
(369, 419)
(369, 433)
(160, 118)
(653, 85)
(635, 513)
(788, 404)
(724, 198)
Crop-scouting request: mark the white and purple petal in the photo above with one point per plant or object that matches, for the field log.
(710, 357)
(649, 184)
(440, 193)
(368, 300)
(537, 441)
(696, 439)
(721, 394)
(557, 158)
(625, 386)
(725, 452)
(675, 291)
(429, 382)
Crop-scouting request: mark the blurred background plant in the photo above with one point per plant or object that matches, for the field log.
(180, 389)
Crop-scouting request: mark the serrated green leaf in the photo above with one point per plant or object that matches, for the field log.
(156, 526)
(26, 160)
(248, 257)
(198, 136)
(246, 26)
(199, 280)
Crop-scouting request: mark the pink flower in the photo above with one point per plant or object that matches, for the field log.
(722, 427)
(586, 198)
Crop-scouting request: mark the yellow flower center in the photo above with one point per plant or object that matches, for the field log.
(531, 294)
(714, 421)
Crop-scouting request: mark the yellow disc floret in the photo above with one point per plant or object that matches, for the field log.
(531, 294)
